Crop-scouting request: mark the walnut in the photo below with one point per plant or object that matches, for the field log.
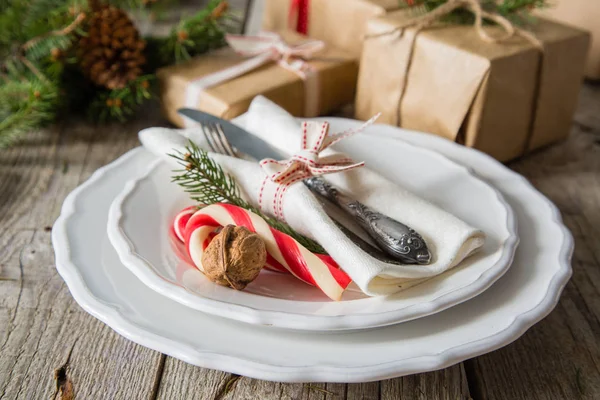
(234, 257)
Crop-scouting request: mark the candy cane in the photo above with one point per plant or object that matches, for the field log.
(283, 252)
(181, 220)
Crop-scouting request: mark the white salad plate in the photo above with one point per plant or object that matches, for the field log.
(105, 288)
(141, 215)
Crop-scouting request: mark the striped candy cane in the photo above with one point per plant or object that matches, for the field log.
(196, 229)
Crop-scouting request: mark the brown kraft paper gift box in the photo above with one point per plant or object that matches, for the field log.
(584, 14)
(336, 75)
(502, 98)
(342, 23)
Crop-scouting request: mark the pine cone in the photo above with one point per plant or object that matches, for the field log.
(112, 53)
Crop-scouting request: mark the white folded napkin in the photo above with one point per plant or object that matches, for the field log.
(449, 239)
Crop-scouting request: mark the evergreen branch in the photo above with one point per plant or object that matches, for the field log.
(25, 106)
(32, 50)
(33, 69)
(17, 124)
(41, 16)
(516, 11)
(207, 183)
(38, 51)
(45, 46)
(205, 180)
(59, 32)
(119, 104)
(191, 36)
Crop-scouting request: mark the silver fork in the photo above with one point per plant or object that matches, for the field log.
(410, 248)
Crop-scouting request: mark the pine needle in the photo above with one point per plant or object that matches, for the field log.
(195, 34)
(24, 107)
(207, 183)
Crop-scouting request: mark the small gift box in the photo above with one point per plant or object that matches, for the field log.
(502, 96)
(584, 14)
(306, 77)
(339, 22)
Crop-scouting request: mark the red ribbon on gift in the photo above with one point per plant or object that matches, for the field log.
(298, 17)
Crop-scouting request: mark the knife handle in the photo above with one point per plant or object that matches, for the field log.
(396, 239)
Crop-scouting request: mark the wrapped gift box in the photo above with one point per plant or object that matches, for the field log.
(334, 84)
(584, 14)
(342, 23)
(502, 98)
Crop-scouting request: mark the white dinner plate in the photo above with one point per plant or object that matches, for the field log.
(525, 294)
(140, 217)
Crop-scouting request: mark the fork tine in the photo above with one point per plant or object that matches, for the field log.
(214, 135)
(224, 142)
(208, 138)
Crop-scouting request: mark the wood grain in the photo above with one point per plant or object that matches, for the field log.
(181, 380)
(41, 327)
(49, 347)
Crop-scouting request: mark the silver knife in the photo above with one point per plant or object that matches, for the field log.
(395, 238)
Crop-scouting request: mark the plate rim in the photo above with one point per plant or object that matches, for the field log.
(145, 272)
(453, 355)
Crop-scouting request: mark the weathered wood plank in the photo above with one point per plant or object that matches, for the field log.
(447, 384)
(181, 380)
(41, 327)
(253, 389)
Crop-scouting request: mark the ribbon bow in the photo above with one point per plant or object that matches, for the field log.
(306, 163)
(264, 48)
(271, 46)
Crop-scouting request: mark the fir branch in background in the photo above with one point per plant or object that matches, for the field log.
(41, 56)
(53, 42)
(207, 183)
(191, 36)
(25, 106)
(32, 33)
(516, 11)
(120, 104)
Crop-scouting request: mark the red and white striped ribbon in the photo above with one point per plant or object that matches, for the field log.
(271, 44)
(308, 162)
(264, 48)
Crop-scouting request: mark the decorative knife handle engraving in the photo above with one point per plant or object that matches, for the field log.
(398, 240)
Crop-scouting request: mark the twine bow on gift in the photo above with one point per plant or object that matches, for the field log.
(306, 163)
(272, 47)
(264, 48)
(426, 20)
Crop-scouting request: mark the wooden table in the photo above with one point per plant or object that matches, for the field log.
(51, 348)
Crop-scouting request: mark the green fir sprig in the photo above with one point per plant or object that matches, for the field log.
(207, 183)
(120, 104)
(516, 11)
(193, 35)
(25, 105)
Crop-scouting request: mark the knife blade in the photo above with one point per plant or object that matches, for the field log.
(393, 237)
